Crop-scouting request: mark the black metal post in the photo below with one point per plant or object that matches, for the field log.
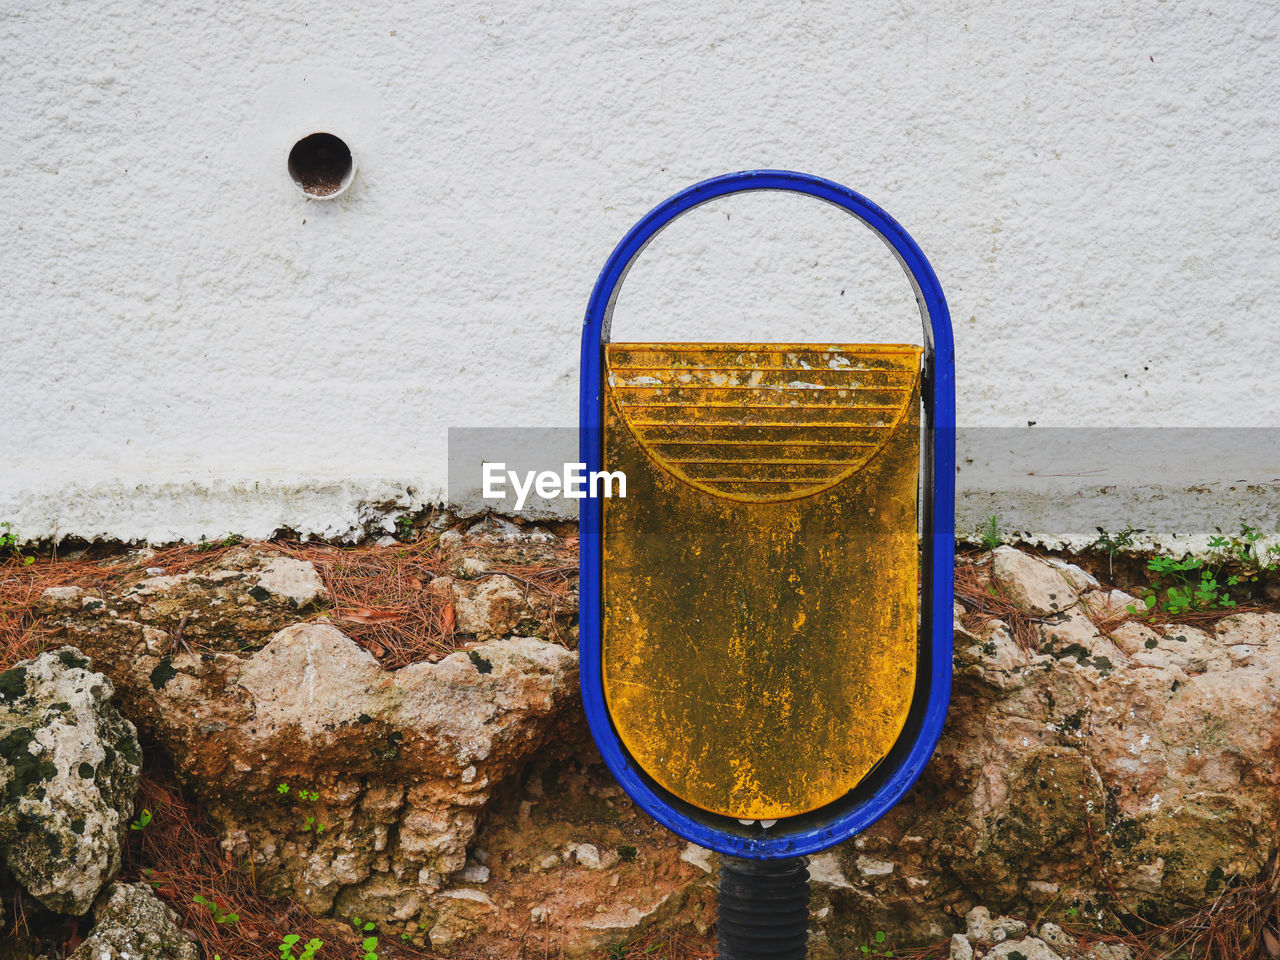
(764, 909)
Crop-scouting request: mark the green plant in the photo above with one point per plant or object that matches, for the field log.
(309, 823)
(404, 527)
(361, 926)
(308, 951)
(1180, 586)
(879, 946)
(230, 540)
(369, 946)
(1242, 551)
(220, 913)
(989, 533)
(141, 822)
(9, 544)
(1112, 545)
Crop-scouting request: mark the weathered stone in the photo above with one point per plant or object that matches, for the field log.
(235, 604)
(69, 768)
(825, 871)
(132, 923)
(354, 789)
(458, 915)
(498, 542)
(1073, 638)
(1028, 948)
(704, 859)
(1055, 936)
(960, 949)
(472, 873)
(1135, 758)
(1037, 587)
(491, 607)
(869, 868)
(1108, 604)
(991, 656)
(981, 927)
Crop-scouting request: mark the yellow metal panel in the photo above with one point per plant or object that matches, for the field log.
(761, 576)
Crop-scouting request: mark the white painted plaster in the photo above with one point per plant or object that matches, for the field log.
(190, 347)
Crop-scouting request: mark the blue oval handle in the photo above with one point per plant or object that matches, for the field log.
(809, 833)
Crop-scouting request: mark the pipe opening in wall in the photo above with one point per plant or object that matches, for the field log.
(321, 165)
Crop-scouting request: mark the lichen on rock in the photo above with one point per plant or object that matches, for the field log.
(1089, 768)
(132, 923)
(69, 766)
(353, 788)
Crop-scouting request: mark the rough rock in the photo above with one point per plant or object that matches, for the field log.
(69, 766)
(1076, 761)
(355, 789)
(981, 927)
(960, 948)
(132, 923)
(1028, 948)
(236, 604)
(1055, 936)
(564, 800)
(1038, 587)
(497, 541)
(498, 606)
(1151, 754)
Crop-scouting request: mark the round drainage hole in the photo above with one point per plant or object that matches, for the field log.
(321, 165)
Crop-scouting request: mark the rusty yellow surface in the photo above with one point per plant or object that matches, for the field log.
(760, 585)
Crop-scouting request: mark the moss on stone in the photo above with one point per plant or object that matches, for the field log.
(73, 659)
(13, 684)
(27, 769)
(162, 674)
(127, 747)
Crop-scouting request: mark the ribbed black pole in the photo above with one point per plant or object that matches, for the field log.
(764, 909)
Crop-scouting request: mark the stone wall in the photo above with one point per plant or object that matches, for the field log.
(1093, 768)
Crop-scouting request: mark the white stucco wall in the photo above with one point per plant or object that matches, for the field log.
(191, 347)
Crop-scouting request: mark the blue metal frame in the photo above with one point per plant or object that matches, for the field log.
(886, 784)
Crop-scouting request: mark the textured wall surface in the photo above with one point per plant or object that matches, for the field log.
(190, 346)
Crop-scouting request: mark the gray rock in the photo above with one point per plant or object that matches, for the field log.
(961, 949)
(1027, 949)
(236, 603)
(588, 855)
(825, 871)
(132, 923)
(869, 868)
(69, 766)
(702, 858)
(1054, 935)
(981, 928)
(473, 873)
(1035, 586)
